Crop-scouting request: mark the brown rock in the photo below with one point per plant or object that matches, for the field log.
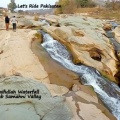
(95, 54)
(107, 26)
(78, 33)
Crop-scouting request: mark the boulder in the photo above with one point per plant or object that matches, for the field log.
(107, 26)
(49, 19)
(24, 22)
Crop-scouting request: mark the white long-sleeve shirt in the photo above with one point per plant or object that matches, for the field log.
(14, 20)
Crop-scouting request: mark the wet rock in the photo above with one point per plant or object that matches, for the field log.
(110, 34)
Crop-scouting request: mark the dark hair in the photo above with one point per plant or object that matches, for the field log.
(6, 16)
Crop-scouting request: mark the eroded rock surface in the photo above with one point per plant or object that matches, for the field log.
(85, 39)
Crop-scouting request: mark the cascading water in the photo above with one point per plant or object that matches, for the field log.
(107, 91)
(45, 22)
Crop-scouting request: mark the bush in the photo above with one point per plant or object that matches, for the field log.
(70, 6)
(91, 4)
(36, 18)
(113, 5)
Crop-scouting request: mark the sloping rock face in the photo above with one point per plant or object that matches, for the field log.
(17, 57)
(117, 33)
(117, 36)
(44, 107)
(85, 39)
(117, 46)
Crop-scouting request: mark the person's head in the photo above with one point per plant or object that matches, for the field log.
(14, 16)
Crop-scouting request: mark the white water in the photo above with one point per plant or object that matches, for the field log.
(89, 76)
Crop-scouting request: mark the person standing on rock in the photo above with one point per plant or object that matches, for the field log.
(14, 23)
(7, 20)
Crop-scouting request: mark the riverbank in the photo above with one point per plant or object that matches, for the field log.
(57, 74)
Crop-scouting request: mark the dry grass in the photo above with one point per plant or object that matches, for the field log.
(38, 35)
(101, 13)
(87, 10)
(107, 14)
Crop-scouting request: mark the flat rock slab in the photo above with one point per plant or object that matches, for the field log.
(17, 56)
(46, 108)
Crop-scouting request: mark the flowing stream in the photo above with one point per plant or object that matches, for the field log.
(108, 91)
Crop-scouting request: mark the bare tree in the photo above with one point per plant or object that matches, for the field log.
(113, 3)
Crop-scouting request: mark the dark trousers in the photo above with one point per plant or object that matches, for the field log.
(7, 26)
(14, 26)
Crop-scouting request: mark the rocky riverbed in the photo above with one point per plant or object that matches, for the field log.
(26, 65)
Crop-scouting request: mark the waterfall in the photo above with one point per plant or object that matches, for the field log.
(107, 90)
